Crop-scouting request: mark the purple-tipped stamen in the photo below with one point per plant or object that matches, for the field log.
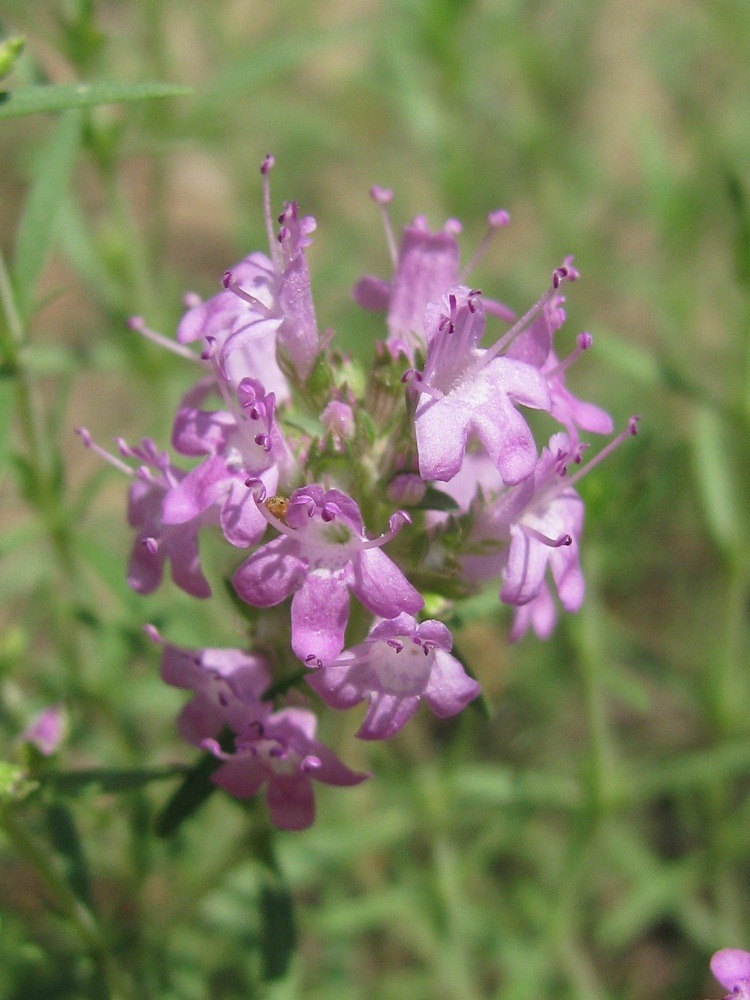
(495, 220)
(138, 324)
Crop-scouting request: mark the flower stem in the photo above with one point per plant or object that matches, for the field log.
(80, 916)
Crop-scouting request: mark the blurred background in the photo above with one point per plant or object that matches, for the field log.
(588, 840)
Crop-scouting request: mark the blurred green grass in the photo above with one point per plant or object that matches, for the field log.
(590, 840)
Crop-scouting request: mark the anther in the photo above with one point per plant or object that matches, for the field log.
(267, 164)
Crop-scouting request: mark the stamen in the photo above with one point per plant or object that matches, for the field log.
(85, 436)
(310, 763)
(231, 286)
(554, 543)
(138, 324)
(558, 276)
(328, 512)
(259, 494)
(383, 197)
(153, 633)
(265, 170)
(630, 431)
(213, 748)
(583, 343)
(210, 350)
(415, 380)
(395, 524)
(495, 220)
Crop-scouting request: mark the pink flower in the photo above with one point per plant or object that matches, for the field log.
(282, 753)
(239, 446)
(242, 329)
(156, 542)
(466, 390)
(265, 313)
(46, 730)
(227, 686)
(533, 526)
(425, 266)
(277, 749)
(322, 553)
(534, 346)
(398, 664)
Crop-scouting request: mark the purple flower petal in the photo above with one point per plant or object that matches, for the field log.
(382, 587)
(450, 689)
(270, 574)
(320, 609)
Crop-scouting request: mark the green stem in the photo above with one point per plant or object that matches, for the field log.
(456, 962)
(45, 494)
(80, 916)
(727, 675)
(601, 763)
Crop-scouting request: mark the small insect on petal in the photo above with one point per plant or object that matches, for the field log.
(278, 507)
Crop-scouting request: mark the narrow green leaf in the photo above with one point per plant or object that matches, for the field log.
(630, 359)
(189, 797)
(107, 779)
(6, 411)
(698, 769)
(504, 786)
(715, 467)
(436, 500)
(33, 100)
(10, 50)
(66, 842)
(36, 233)
(741, 219)
(278, 934)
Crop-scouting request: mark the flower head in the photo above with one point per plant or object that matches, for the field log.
(398, 664)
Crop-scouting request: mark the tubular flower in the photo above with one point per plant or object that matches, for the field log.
(227, 686)
(155, 540)
(284, 429)
(425, 266)
(241, 329)
(398, 664)
(531, 526)
(464, 389)
(282, 753)
(239, 447)
(534, 346)
(322, 553)
(266, 305)
(274, 748)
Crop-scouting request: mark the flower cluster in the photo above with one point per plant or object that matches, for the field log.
(299, 456)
